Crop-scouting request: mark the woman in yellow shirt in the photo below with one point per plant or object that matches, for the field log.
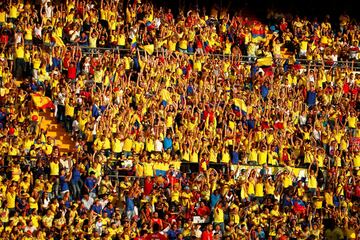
(194, 154)
(14, 12)
(259, 189)
(28, 34)
(33, 201)
(10, 198)
(251, 185)
(312, 182)
(262, 155)
(253, 155)
(270, 188)
(121, 38)
(219, 215)
(185, 153)
(16, 172)
(225, 155)
(2, 16)
(213, 154)
(352, 123)
(93, 38)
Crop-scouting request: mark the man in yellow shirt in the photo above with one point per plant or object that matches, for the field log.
(48, 219)
(312, 182)
(219, 216)
(2, 16)
(128, 146)
(69, 115)
(10, 199)
(352, 123)
(20, 54)
(14, 12)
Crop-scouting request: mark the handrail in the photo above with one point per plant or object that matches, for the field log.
(118, 176)
(86, 50)
(244, 58)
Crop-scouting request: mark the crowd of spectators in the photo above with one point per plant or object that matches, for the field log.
(209, 116)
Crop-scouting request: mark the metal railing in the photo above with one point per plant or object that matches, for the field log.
(186, 166)
(86, 50)
(241, 58)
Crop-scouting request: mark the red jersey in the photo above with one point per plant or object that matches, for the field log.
(148, 186)
(4, 39)
(357, 190)
(206, 235)
(72, 72)
(203, 211)
(156, 236)
(283, 26)
(157, 221)
(66, 62)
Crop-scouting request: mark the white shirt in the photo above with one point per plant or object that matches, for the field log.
(31, 229)
(46, 202)
(18, 38)
(38, 31)
(98, 227)
(334, 58)
(88, 203)
(66, 164)
(75, 125)
(302, 120)
(86, 67)
(317, 134)
(89, 6)
(103, 203)
(133, 32)
(158, 145)
(79, 100)
(106, 99)
(198, 233)
(94, 130)
(61, 99)
(157, 22)
(48, 11)
(74, 35)
(311, 78)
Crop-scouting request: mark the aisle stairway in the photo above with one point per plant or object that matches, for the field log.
(56, 131)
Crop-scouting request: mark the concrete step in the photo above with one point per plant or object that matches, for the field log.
(56, 131)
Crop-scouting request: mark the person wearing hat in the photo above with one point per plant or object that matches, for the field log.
(186, 196)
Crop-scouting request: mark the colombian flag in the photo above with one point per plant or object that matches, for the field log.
(150, 26)
(239, 106)
(133, 44)
(57, 40)
(42, 102)
(148, 48)
(265, 62)
(162, 168)
(257, 32)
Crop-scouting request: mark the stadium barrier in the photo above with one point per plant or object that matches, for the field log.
(86, 50)
(187, 167)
